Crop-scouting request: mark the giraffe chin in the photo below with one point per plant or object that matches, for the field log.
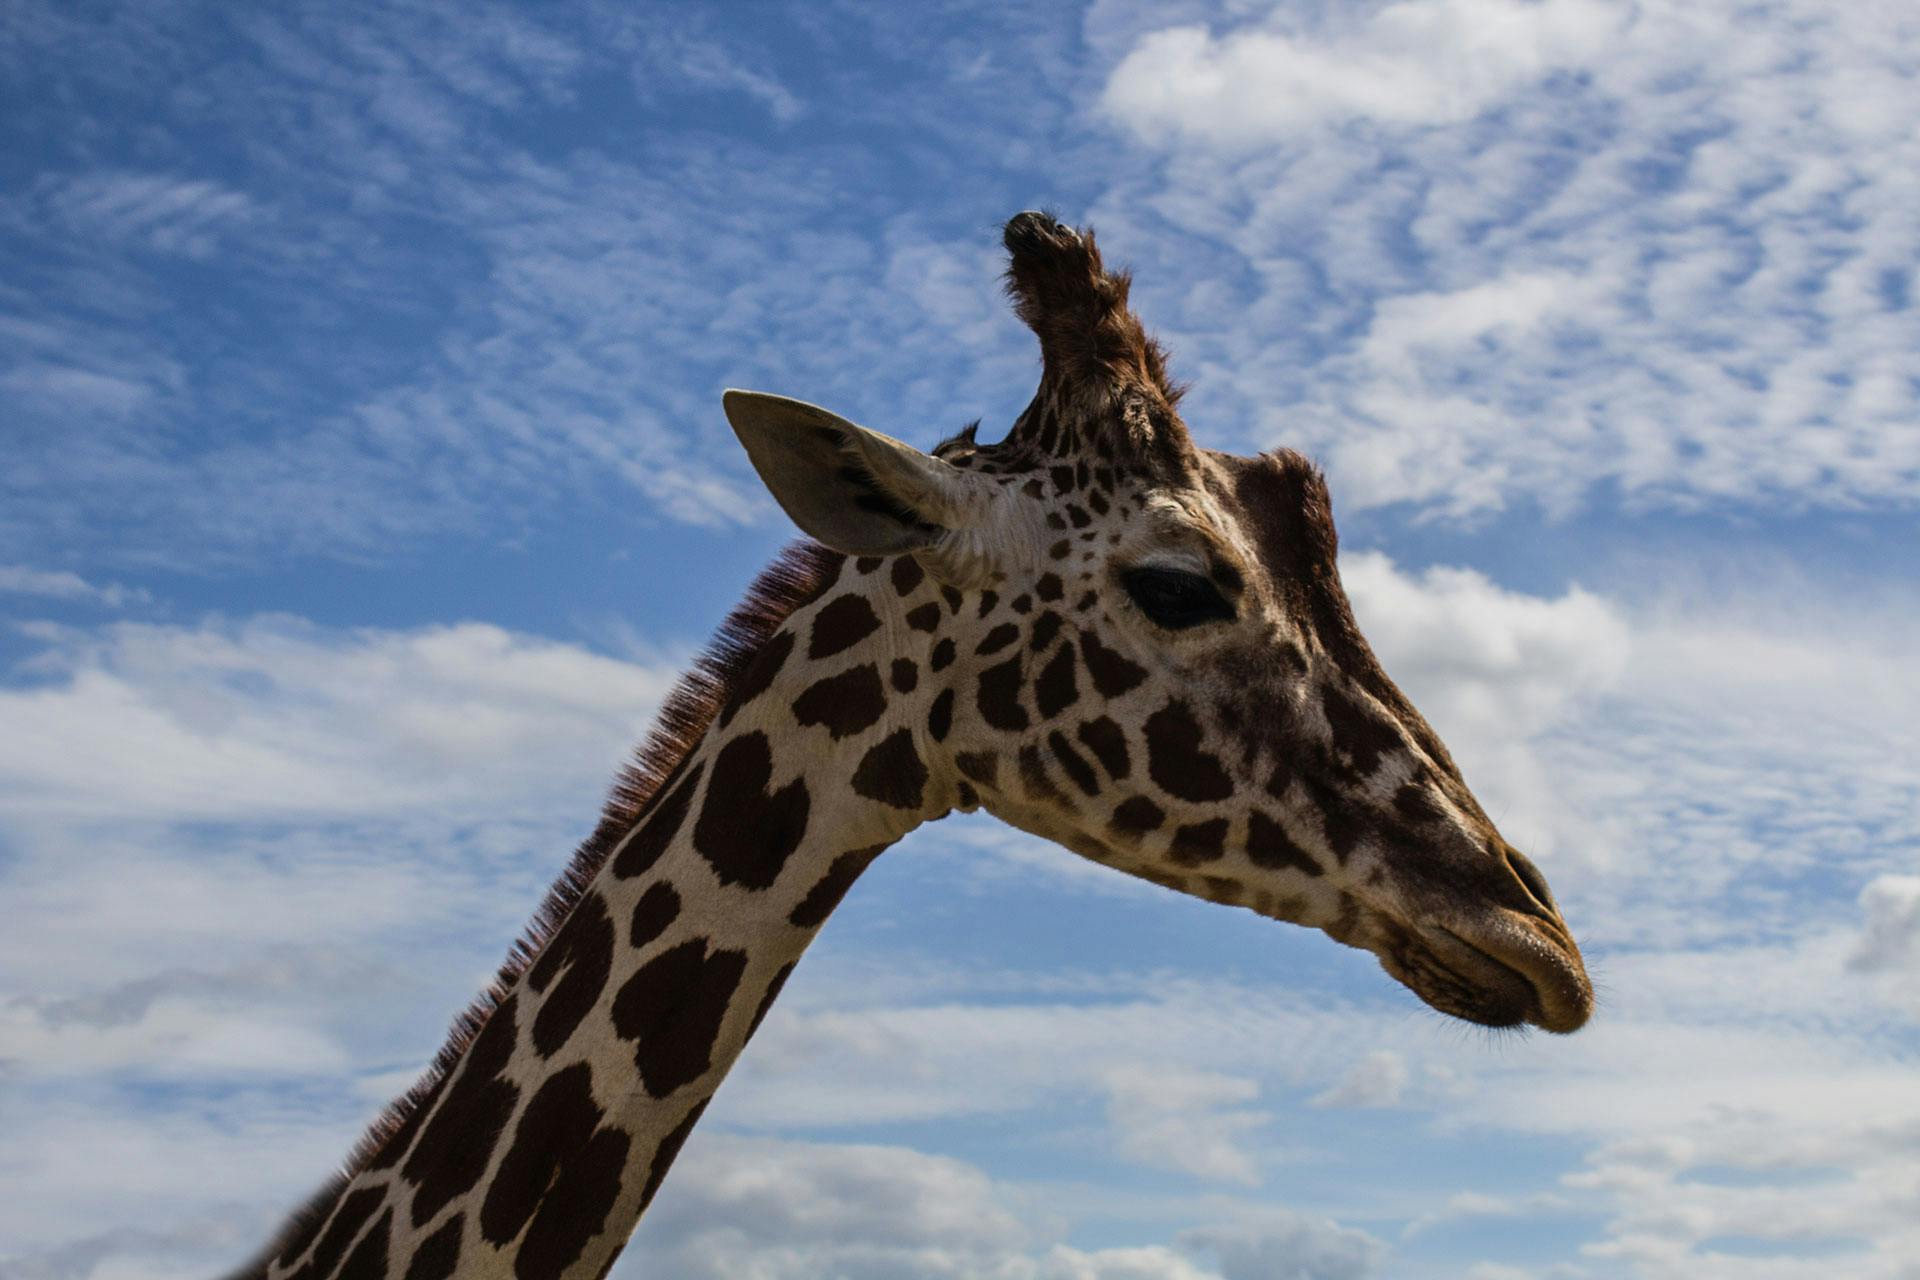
(1504, 973)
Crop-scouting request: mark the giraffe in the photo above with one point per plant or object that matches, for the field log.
(1097, 631)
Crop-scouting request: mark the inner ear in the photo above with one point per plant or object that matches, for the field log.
(853, 489)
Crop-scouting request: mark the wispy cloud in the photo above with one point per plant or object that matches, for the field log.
(58, 584)
(1377, 1080)
(1515, 253)
(160, 212)
(674, 55)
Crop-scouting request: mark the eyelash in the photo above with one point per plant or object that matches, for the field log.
(1174, 599)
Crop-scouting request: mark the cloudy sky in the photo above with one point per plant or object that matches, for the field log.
(365, 487)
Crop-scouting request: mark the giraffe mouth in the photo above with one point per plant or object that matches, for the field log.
(1506, 973)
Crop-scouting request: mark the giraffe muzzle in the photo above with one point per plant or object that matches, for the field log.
(1505, 970)
(1553, 988)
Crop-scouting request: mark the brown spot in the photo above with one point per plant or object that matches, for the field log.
(1112, 674)
(664, 1154)
(657, 830)
(1222, 889)
(1358, 735)
(942, 655)
(988, 599)
(1034, 779)
(998, 638)
(1045, 628)
(673, 1006)
(846, 703)
(999, 696)
(1417, 804)
(1060, 550)
(437, 1257)
(907, 574)
(1056, 689)
(840, 625)
(348, 1217)
(368, 1261)
(744, 831)
(772, 994)
(940, 716)
(825, 895)
(1269, 846)
(1280, 779)
(924, 617)
(1049, 588)
(458, 1140)
(1175, 760)
(1022, 604)
(904, 675)
(656, 911)
(559, 1121)
(575, 1210)
(306, 1225)
(953, 598)
(1077, 516)
(1343, 822)
(892, 772)
(1199, 842)
(1062, 478)
(759, 674)
(581, 956)
(1074, 763)
(866, 564)
(1108, 743)
(1137, 815)
(1098, 501)
(1086, 602)
(982, 766)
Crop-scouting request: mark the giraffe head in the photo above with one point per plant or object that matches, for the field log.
(1145, 654)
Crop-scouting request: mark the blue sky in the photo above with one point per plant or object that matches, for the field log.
(366, 487)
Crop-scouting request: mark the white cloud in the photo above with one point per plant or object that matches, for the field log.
(1377, 1080)
(64, 585)
(1573, 253)
(1280, 1245)
(1890, 938)
(774, 1211)
(274, 717)
(769, 1210)
(1415, 63)
(1185, 1120)
(1148, 1262)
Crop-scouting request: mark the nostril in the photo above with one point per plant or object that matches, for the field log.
(1530, 877)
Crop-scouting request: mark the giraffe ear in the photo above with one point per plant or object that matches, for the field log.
(855, 490)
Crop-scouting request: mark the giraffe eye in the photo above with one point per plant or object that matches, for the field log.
(1176, 600)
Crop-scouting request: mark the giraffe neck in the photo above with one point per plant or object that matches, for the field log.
(540, 1146)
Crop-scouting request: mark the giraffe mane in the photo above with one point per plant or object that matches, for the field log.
(798, 574)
